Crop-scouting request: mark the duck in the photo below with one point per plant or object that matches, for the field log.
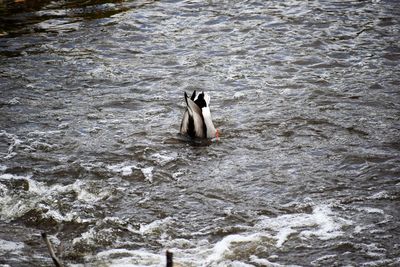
(197, 121)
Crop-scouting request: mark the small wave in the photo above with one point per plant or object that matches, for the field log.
(154, 226)
(237, 249)
(23, 194)
(322, 223)
(128, 169)
(266, 262)
(7, 246)
(223, 247)
(43, 134)
(59, 25)
(10, 249)
(14, 143)
(124, 257)
(3, 168)
(125, 169)
(162, 159)
(371, 210)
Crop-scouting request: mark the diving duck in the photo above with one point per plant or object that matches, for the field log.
(197, 122)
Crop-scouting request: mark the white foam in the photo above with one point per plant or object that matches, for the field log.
(37, 133)
(124, 258)
(38, 145)
(358, 229)
(86, 237)
(380, 195)
(3, 191)
(113, 219)
(108, 72)
(148, 173)
(373, 251)
(320, 260)
(239, 95)
(328, 225)
(177, 174)
(14, 143)
(283, 235)
(63, 125)
(148, 257)
(370, 210)
(9, 176)
(162, 159)
(223, 247)
(235, 264)
(156, 225)
(84, 195)
(13, 206)
(382, 262)
(14, 101)
(180, 243)
(55, 12)
(125, 168)
(265, 262)
(322, 223)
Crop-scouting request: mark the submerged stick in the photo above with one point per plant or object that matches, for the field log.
(56, 261)
(169, 259)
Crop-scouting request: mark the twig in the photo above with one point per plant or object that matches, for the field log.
(56, 261)
(169, 259)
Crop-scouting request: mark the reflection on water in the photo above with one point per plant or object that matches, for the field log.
(305, 94)
(10, 7)
(19, 15)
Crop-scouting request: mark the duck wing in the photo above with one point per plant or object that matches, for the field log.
(193, 122)
(203, 102)
(185, 122)
(210, 128)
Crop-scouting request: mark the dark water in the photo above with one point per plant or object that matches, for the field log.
(305, 94)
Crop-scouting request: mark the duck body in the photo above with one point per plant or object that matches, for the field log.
(197, 121)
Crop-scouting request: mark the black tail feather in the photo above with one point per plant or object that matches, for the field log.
(193, 95)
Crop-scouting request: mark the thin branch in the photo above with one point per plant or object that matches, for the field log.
(56, 261)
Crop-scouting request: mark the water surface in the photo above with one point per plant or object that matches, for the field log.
(305, 94)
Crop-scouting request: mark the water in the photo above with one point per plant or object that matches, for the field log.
(305, 95)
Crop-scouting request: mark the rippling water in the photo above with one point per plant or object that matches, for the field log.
(305, 94)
